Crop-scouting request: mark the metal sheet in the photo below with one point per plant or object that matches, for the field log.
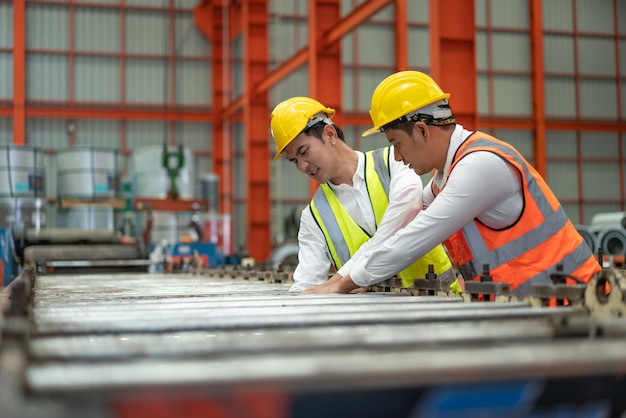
(187, 344)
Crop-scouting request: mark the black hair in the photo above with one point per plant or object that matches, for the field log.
(408, 125)
(317, 129)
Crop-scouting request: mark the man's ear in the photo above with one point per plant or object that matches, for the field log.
(330, 131)
(422, 129)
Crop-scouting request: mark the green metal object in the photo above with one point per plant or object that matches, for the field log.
(173, 162)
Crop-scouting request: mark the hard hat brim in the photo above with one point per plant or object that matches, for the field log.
(370, 131)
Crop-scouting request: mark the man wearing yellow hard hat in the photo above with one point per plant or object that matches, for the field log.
(362, 200)
(485, 202)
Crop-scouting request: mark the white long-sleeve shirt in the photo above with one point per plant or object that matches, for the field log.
(405, 197)
(481, 186)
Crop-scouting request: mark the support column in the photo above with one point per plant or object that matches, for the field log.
(324, 61)
(256, 129)
(453, 56)
(19, 72)
(539, 110)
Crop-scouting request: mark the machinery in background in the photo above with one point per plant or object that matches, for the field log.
(177, 212)
(93, 228)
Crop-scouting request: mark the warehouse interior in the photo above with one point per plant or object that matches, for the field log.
(148, 236)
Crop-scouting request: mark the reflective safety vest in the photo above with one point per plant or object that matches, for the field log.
(344, 236)
(528, 251)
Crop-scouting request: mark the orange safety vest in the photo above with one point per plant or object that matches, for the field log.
(528, 251)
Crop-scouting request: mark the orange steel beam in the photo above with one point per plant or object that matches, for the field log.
(255, 38)
(453, 60)
(71, 133)
(622, 192)
(351, 21)
(538, 91)
(19, 78)
(115, 113)
(402, 30)
(296, 61)
(336, 31)
(313, 49)
(324, 61)
(216, 24)
(171, 72)
(203, 17)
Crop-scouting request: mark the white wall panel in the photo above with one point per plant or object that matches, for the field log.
(145, 133)
(510, 14)
(557, 14)
(596, 55)
(595, 16)
(561, 144)
(364, 84)
(147, 32)
(47, 77)
(289, 7)
(47, 133)
(622, 90)
(511, 51)
(97, 79)
(563, 179)
(375, 45)
(598, 98)
(193, 83)
(151, 3)
(481, 50)
(621, 11)
(600, 180)
(418, 11)
(146, 81)
(197, 136)
(418, 44)
(512, 95)
(47, 27)
(6, 75)
(560, 97)
(97, 133)
(558, 54)
(482, 94)
(102, 1)
(6, 25)
(189, 41)
(186, 3)
(6, 131)
(599, 144)
(97, 29)
(521, 140)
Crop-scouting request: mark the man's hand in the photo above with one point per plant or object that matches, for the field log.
(334, 285)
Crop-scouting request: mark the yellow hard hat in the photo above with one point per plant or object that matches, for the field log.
(400, 94)
(294, 115)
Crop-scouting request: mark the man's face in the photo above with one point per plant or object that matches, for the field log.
(312, 156)
(410, 149)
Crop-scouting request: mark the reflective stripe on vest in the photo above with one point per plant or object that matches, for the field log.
(344, 236)
(517, 254)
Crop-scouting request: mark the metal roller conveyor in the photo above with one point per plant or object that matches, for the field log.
(112, 336)
(289, 340)
(284, 311)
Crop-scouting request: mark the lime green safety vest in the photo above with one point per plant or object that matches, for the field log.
(344, 236)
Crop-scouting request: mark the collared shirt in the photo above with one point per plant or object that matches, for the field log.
(482, 186)
(405, 195)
